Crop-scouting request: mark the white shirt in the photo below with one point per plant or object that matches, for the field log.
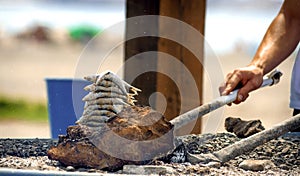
(295, 85)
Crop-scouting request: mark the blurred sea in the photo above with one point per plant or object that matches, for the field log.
(229, 24)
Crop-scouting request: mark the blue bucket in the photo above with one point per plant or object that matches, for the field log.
(65, 103)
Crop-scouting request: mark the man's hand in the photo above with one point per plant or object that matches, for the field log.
(249, 78)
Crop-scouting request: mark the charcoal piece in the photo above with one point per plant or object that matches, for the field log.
(243, 128)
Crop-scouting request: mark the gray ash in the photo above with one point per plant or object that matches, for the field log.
(284, 152)
(197, 144)
(25, 147)
(213, 142)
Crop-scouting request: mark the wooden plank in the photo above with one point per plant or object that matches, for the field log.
(193, 13)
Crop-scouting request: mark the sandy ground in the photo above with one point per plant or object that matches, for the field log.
(24, 67)
(23, 129)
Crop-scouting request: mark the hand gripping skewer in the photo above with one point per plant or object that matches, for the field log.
(269, 80)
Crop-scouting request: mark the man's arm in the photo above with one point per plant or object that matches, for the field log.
(278, 43)
(280, 39)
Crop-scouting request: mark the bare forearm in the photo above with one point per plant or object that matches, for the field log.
(280, 40)
(278, 43)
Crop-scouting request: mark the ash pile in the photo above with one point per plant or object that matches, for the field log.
(282, 152)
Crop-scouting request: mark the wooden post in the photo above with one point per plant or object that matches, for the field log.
(147, 81)
(191, 12)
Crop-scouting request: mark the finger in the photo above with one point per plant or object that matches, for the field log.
(232, 82)
(223, 85)
(222, 88)
(247, 88)
(241, 99)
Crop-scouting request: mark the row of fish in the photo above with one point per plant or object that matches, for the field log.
(108, 95)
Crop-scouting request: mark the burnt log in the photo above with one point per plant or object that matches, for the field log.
(243, 128)
(136, 135)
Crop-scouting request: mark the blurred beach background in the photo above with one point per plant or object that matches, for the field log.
(43, 39)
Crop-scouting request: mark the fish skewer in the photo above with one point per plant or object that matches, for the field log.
(108, 96)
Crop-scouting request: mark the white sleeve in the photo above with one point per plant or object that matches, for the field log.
(295, 85)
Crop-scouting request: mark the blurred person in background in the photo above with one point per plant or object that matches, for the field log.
(280, 40)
